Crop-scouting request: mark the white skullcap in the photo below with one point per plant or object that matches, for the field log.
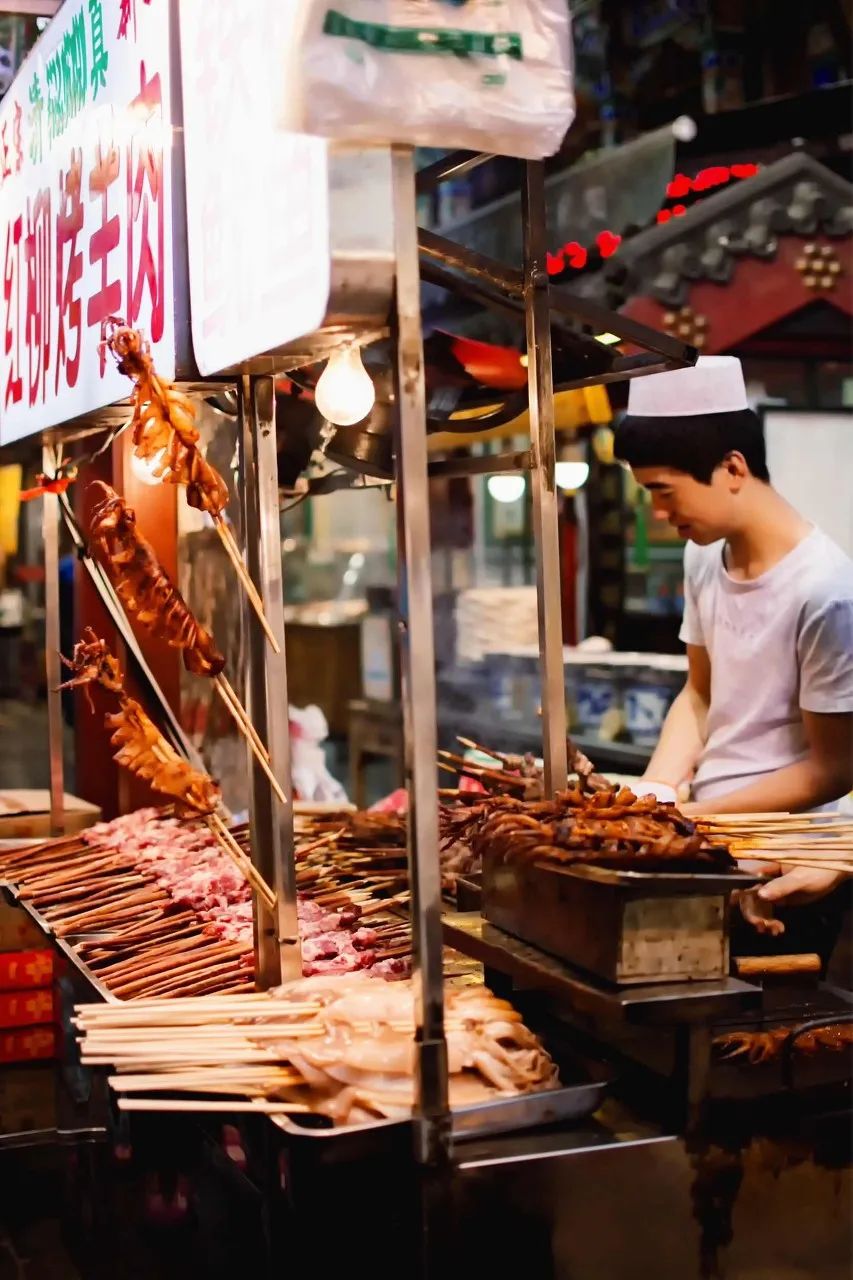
(714, 384)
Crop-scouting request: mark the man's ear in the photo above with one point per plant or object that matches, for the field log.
(736, 468)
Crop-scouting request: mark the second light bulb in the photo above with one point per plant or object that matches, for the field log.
(345, 393)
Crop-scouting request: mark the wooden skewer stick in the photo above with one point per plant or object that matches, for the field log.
(233, 551)
(227, 841)
(244, 724)
(799, 860)
(267, 1108)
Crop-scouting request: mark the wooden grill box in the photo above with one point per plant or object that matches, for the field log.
(627, 927)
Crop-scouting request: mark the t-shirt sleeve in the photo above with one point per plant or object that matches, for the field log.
(825, 651)
(691, 624)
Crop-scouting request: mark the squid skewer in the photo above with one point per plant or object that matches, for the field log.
(165, 433)
(151, 597)
(143, 750)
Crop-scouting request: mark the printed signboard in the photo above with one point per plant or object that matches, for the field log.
(85, 210)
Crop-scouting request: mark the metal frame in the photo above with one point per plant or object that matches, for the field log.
(417, 650)
(277, 954)
(526, 294)
(546, 531)
(50, 537)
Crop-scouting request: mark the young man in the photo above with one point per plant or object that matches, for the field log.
(765, 720)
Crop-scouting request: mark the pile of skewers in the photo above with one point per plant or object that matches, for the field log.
(140, 942)
(819, 840)
(611, 828)
(361, 854)
(153, 907)
(337, 1047)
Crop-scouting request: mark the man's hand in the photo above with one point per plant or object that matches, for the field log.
(800, 886)
(794, 888)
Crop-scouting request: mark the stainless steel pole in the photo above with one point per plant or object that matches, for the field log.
(277, 952)
(50, 535)
(417, 652)
(540, 384)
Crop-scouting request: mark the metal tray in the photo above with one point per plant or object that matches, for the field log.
(650, 884)
(508, 1115)
(64, 944)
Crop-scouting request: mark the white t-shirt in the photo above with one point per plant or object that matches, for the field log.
(778, 644)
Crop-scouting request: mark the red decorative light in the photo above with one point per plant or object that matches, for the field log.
(608, 242)
(680, 186)
(744, 170)
(577, 254)
(574, 254)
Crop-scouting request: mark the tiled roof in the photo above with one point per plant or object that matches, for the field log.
(795, 196)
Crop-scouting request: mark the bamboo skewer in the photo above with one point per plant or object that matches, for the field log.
(799, 860)
(244, 724)
(227, 539)
(230, 845)
(265, 1108)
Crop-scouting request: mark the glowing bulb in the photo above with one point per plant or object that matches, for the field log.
(571, 476)
(506, 488)
(684, 129)
(144, 468)
(345, 393)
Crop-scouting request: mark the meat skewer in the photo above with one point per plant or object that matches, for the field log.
(195, 903)
(165, 433)
(143, 750)
(151, 597)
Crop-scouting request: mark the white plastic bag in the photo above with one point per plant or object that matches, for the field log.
(311, 777)
(479, 75)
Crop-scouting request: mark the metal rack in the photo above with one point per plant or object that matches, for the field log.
(526, 294)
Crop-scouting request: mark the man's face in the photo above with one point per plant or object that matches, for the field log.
(701, 512)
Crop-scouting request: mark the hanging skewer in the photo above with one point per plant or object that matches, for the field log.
(144, 751)
(165, 434)
(150, 597)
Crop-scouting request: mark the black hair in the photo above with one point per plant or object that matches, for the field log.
(696, 445)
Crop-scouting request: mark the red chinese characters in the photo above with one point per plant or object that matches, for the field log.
(37, 329)
(69, 270)
(106, 300)
(145, 212)
(14, 390)
(127, 17)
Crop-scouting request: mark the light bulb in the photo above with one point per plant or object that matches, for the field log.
(506, 488)
(345, 393)
(571, 476)
(144, 468)
(684, 129)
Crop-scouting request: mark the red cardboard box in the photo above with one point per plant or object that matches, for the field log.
(33, 1044)
(21, 970)
(27, 1008)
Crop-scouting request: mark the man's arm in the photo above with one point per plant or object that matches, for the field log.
(683, 734)
(825, 774)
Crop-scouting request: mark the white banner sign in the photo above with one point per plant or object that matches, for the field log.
(85, 210)
(257, 198)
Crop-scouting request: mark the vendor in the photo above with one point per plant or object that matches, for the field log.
(765, 720)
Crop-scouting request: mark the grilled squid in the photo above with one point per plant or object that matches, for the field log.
(145, 588)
